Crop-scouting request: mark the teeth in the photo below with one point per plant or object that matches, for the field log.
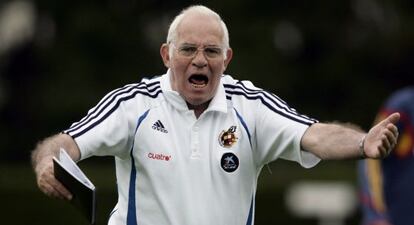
(198, 85)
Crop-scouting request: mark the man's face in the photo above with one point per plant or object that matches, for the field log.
(197, 59)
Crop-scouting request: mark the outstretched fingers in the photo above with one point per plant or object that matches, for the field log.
(382, 138)
(385, 146)
(393, 129)
(389, 136)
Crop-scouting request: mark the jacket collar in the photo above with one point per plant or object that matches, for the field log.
(218, 103)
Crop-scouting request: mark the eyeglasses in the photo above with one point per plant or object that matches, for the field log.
(190, 51)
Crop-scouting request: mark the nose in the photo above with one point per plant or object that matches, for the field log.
(200, 59)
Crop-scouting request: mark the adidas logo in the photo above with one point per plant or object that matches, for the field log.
(159, 127)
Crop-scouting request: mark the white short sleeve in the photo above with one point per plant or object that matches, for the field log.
(279, 132)
(108, 128)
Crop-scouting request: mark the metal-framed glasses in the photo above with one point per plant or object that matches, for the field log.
(190, 51)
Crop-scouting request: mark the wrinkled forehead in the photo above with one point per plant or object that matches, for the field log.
(200, 29)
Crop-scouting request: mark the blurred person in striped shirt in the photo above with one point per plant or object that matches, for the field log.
(387, 185)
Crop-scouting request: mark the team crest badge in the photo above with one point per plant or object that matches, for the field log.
(228, 138)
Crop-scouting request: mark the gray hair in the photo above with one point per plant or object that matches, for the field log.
(172, 31)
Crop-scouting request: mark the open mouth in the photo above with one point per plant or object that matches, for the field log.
(198, 80)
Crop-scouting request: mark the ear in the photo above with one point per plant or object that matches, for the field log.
(229, 54)
(165, 54)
